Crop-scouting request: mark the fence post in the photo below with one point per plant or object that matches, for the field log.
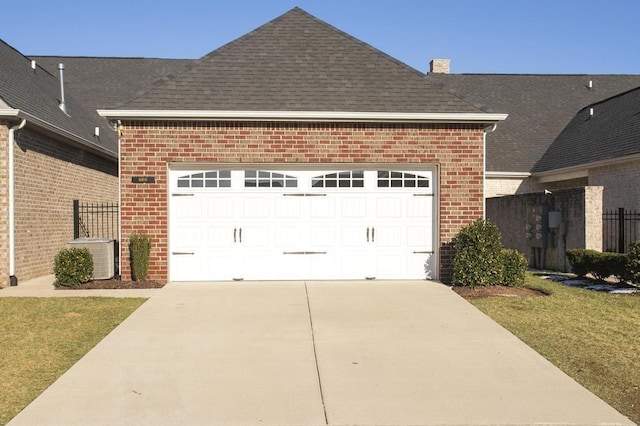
(76, 219)
(621, 235)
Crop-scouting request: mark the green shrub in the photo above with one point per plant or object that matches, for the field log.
(600, 265)
(73, 266)
(618, 266)
(478, 259)
(580, 260)
(633, 263)
(515, 267)
(140, 249)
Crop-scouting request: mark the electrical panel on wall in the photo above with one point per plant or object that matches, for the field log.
(537, 226)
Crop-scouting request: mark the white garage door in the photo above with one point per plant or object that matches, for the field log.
(304, 224)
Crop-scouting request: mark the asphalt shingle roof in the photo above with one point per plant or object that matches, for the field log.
(539, 107)
(612, 132)
(298, 63)
(104, 83)
(37, 93)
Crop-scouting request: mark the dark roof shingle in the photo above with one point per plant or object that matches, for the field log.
(37, 93)
(539, 107)
(298, 63)
(613, 131)
(102, 83)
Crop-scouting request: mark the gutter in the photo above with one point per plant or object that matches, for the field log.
(33, 120)
(315, 116)
(13, 280)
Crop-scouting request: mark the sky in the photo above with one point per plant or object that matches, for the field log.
(478, 36)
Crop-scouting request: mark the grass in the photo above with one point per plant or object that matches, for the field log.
(593, 337)
(40, 338)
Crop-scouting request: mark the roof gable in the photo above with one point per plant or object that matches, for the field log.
(613, 131)
(298, 63)
(35, 94)
(539, 107)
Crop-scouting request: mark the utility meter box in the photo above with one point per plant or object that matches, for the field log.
(537, 226)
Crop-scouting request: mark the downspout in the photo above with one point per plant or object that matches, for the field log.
(13, 281)
(118, 130)
(488, 129)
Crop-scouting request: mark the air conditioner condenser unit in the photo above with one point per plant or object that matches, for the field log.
(103, 252)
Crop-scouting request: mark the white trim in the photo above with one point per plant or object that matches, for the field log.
(9, 112)
(343, 116)
(581, 170)
(33, 120)
(507, 175)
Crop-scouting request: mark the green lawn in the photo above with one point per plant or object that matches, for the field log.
(593, 337)
(40, 338)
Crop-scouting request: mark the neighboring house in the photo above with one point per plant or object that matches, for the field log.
(539, 108)
(300, 152)
(48, 158)
(599, 147)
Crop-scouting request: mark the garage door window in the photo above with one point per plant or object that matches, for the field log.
(263, 179)
(350, 179)
(390, 179)
(211, 179)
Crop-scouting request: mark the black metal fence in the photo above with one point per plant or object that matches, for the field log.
(620, 228)
(95, 220)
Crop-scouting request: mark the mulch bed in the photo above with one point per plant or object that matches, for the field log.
(497, 291)
(115, 285)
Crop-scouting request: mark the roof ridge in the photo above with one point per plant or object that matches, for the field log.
(110, 57)
(297, 9)
(610, 98)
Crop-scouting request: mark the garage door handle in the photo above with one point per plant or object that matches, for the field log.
(423, 252)
(367, 234)
(373, 234)
(235, 231)
(181, 253)
(240, 234)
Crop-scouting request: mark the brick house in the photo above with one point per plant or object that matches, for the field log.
(299, 152)
(49, 157)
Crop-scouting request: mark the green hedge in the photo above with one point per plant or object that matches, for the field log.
(72, 267)
(600, 265)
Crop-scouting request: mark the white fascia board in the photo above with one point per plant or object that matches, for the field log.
(333, 116)
(507, 175)
(581, 170)
(35, 121)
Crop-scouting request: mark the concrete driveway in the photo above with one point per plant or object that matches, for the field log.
(313, 353)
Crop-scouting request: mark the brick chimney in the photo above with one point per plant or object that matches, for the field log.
(439, 66)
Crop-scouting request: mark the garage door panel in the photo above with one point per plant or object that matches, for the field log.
(322, 237)
(188, 207)
(389, 236)
(419, 207)
(256, 207)
(287, 236)
(218, 236)
(389, 207)
(321, 207)
(353, 208)
(220, 207)
(419, 236)
(187, 237)
(287, 207)
(353, 228)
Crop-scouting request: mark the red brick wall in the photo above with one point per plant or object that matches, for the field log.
(147, 147)
(49, 174)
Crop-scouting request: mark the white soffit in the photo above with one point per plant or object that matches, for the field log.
(333, 116)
